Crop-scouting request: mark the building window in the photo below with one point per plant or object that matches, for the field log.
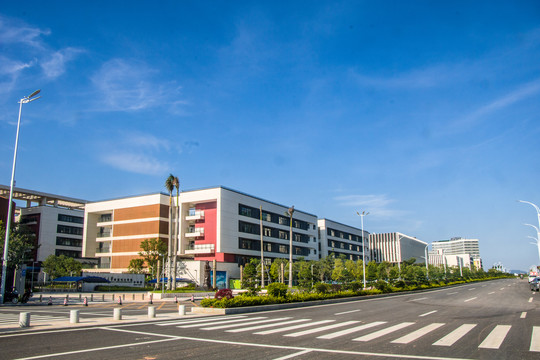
(267, 231)
(283, 249)
(71, 219)
(283, 235)
(63, 241)
(105, 218)
(68, 253)
(72, 230)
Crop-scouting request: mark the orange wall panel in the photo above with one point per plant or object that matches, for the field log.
(141, 212)
(148, 227)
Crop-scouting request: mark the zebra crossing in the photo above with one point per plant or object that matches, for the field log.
(330, 329)
(13, 318)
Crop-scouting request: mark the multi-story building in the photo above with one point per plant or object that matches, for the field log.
(217, 223)
(459, 246)
(396, 247)
(339, 239)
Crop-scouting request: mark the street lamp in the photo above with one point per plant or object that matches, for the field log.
(538, 214)
(363, 246)
(290, 212)
(427, 269)
(24, 100)
(538, 232)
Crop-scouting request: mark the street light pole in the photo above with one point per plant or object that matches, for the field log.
(363, 246)
(427, 269)
(538, 215)
(290, 212)
(24, 100)
(538, 233)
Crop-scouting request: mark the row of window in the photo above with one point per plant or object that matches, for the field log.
(343, 235)
(72, 230)
(68, 253)
(249, 244)
(280, 219)
(63, 241)
(255, 229)
(105, 218)
(347, 256)
(341, 245)
(71, 218)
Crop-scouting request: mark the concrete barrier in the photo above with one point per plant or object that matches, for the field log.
(151, 312)
(117, 314)
(74, 316)
(24, 319)
(181, 310)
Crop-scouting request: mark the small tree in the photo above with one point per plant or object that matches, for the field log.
(136, 266)
(249, 275)
(151, 251)
(57, 266)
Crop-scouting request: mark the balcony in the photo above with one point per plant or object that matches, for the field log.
(195, 215)
(103, 249)
(201, 249)
(194, 232)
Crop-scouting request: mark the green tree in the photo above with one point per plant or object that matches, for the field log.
(340, 272)
(275, 269)
(151, 251)
(383, 270)
(136, 266)
(371, 271)
(250, 278)
(57, 266)
(21, 244)
(304, 274)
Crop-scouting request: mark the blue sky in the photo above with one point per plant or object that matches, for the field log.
(426, 114)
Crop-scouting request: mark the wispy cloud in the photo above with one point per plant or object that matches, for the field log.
(55, 64)
(376, 205)
(127, 85)
(13, 31)
(414, 79)
(135, 163)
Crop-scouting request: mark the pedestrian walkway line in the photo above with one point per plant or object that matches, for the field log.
(319, 329)
(290, 356)
(415, 335)
(523, 315)
(293, 327)
(495, 337)
(535, 339)
(455, 335)
(383, 332)
(222, 322)
(199, 320)
(257, 327)
(471, 299)
(428, 313)
(219, 327)
(351, 330)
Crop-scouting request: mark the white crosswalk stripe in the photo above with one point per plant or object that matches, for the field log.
(218, 327)
(418, 333)
(193, 321)
(264, 326)
(495, 337)
(209, 322)
(351, 330)
(383, 332)
(6, 319)
(455, 335)
(319, 329)
(535, 339)
(293, 327)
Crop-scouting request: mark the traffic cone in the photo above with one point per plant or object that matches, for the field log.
(176, 299)
(65, 301)
(85, 302)
(120, 300)
(192, 298)
(50, 301)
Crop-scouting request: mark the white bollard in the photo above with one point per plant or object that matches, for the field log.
(117, 315)
(151, 312)
(74, 316)
(24, 319)
(181, 310)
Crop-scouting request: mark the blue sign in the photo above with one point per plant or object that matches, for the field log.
(221, 279)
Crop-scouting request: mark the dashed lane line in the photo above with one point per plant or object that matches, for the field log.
(523, 315)
(428, 313)
(347, 312)
(471, 299)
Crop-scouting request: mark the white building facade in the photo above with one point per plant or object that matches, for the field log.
(339, 239)
(396, 248)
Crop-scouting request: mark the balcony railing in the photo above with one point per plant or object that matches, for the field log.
(103, 250)
(195, 215)
(201, 249)
(194, 232)
(103, 234)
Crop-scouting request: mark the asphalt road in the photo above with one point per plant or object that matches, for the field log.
(491, 320)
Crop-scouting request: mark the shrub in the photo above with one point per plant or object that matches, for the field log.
(382, 286)
(322, 288)
(336, 287)
(224, 293)
(356, 285)
(400, 284)
(277, 290)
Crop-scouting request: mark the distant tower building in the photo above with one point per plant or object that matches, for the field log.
(458, 246)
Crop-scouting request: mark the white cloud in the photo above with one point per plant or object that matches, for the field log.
(55, 64)
(136, 163)
(376, 205)
(13, 31)
(130, 85)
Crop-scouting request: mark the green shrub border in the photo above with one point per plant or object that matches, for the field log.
(257, 300)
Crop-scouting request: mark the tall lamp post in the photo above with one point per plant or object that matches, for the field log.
(538, 233)
(363, 245)
(24, 100)
(427, 269)
(538, 214)
(290, 212)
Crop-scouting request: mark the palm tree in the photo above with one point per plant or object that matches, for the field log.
(176, 184)
(169, 185)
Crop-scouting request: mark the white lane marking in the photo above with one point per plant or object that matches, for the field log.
(225, 321)
(501, 289)
(290, 356)
(417, 334)
(471, 299)
(351, 330)
(483, 285)
(383, 332)
(452, 293)
(495, 337)
(422, 298)
(219, 327)
(346, 312)
(493, 292)
(471, 289)
(530, 299)
(257, 327)
(199, 320)
(293, 327)
(428, 313)
(535, 339)
(319, 329)
(523, 315)
(455, 335)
